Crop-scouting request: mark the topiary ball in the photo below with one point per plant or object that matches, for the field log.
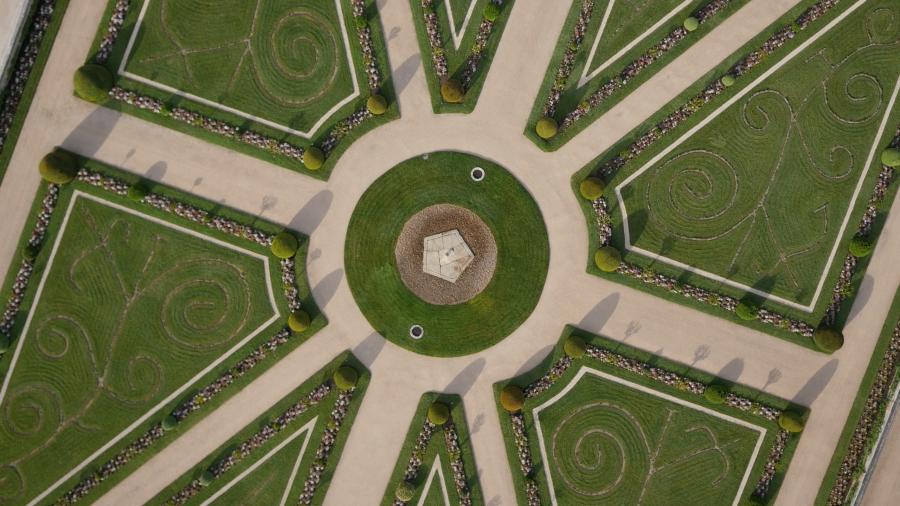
(790, 421)
(137, 192)
(313, 158)
(284, 245)
(92, 82)
(58, 167)
(715, 394)
(376, 104)
(169, 423)
(746, 310)
(592, 188)
(452, 92)
(860, 246)
(512, 398)
(206, 478)
(438, 413)
(891, 157)
(491, 11)
(828, 339)
(405, 491)
(345, 377)
(727, 80)
(546, 127)
(575, 347)
(298, 321)
(691, 24)
(608, 259)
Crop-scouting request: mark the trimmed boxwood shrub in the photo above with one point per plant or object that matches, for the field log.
(452, 92)
(298, 321)
(512, 398)
(546, 127)
(92, 82)
(4, 345)
(608, 259)
(376, 104)
(137, 192)
(592, 188)
(361, 22)
(284, 245)
(828, 339)
(169, 423)
(790, 421)
(891, 157)
(746, 310)
(30, 252)
(727, 80)
(313, 158)
(860, 246)
(491, 11)
(691, 24)
(58, 167)
(206, 478)
(345, 377)
(438, 413)
(405, 491)
(715, 394)
(575, 347)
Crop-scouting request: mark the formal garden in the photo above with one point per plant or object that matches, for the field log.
(293, 85)
(500, 278)
(133, 310)
(288, 454)
(599, 422)
(458, 39)
(759, 194)
(606, 50)
(436, 466)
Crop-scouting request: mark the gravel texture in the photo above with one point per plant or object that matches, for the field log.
(435, 220)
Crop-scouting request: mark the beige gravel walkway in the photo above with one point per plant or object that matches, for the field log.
(570, 296)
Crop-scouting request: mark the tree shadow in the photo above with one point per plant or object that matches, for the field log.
(87, 137)
(863, 293)
(393, 33)
(637, 223)
(597, 317)
(312, 214)
(479, 421)
(463, 381)
(774, 376)
(535, 359)
(732, 370)
(325, 290)
(404, 73)
(369, 349)
(816, 384)
(700, 354)
(157, 171)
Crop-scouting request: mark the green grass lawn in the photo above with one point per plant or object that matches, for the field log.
(456, 56)
(281, 69)
(500, 201)
(131, 311)
(626, 36)
(278, 469)
(612, 436)
(726, 199)
(435, 451)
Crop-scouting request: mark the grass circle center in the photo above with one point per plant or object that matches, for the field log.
(496, 290)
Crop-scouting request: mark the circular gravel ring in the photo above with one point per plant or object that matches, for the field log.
(411, 245)
(442, 179)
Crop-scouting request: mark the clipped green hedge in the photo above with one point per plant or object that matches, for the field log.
(285, 245)
(452, 92)
(92, 82)
(592, 188)
(58, 167)
(546, 128)
(512, 398)
(608, 259)
(345, 377)
(438, 413)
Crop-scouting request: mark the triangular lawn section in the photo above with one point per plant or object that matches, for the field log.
(435, 491)
(462, 14)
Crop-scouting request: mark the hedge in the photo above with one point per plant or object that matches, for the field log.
(298, 321)
(58, 167)
(452, 92)
(828, 339)
(546, 127)
(313, 158)
(92, 82)
(438, 413)
(592, 188)
(284, 245)
(512, 398)
(345, 377)
(376, 105)
(607, 259)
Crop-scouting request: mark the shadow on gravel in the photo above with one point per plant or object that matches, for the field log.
(463, 381)
(86, 138)
(535, 359)
(404, 73)
(324, 291)
(307, 220)
(369, 349)
(816, 384)
(157, 171)
(599, 314)
(862, 296)
(732, 370)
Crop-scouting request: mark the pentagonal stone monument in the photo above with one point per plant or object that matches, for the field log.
(446, 255)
